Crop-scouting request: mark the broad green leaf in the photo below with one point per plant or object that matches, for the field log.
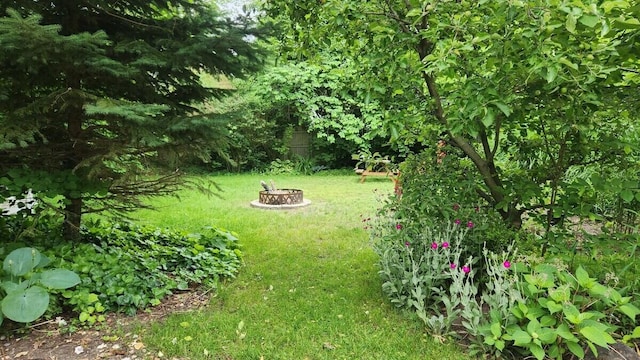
(569, 63)
(607, 6)
(596, 336)
(489, 118)
(521, 338)
(547, 335)
(626, 195)
(26, 306)
(553, 307)
(506, 110)
(21, 261)
(630, 24)
(496, 329)
(552, 73)
(630, 310)
(598, 290)
(589, 20)
(565, 333)
(59, 279)
(10, 286)
(537, 351)
(571, 313)
(576, 349)
(583, 278)
(571, 23)
(414, 12)
(548, 320)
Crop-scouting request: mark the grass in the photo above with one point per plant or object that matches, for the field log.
(309, 288)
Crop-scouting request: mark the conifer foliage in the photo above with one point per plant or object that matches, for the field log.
(90, 91)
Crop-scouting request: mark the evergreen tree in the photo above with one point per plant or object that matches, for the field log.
(90, 91)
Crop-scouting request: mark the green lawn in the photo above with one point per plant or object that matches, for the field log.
(309, 288)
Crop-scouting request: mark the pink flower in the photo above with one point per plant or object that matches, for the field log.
(434, 245)
(506, 264)
(399, 226)
(470, 224)
(407, 244)
(457, 222)
(466, 269)
(456, 207)
(452, 266)
(445, 245)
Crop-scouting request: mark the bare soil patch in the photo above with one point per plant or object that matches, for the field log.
(113, 339)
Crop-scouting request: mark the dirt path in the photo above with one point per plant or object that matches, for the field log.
(114, 339)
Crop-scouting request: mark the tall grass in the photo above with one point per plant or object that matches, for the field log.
(309, 288)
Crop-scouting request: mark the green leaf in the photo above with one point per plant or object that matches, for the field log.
(26, 306)
(521, 338)
(506, 110)
(551, 74)
(571, 313)
(414, 12)
(59, 279)
(597, 336)
(576, 349)
(553, 306)
(565, 333)
(571, 23)
(547, 335)
(496, 329)
(589, 20)
(537, 351)
(489, 118)
(626, 195)
(583, 278)
(630, 310)
(21, 261)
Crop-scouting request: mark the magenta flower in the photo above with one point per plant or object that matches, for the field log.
(399, 226)
(506, 264)
(452, 266)
(457, 222)
(445, 245)
(456, 207)
(466, 269)
(407, 244)
(470, 224)
(434, 245)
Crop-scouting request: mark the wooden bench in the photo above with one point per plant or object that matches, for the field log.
(364, 173)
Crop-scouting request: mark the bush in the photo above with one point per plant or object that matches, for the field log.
(125, 267)
(526, 307)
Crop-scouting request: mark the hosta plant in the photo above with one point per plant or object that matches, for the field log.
(25, 284)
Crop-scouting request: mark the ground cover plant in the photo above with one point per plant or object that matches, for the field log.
(119, 267)
(309, 287)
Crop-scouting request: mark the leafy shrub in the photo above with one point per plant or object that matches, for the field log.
(126, 267)
(542, 309)
(282, 167)
(436, 192)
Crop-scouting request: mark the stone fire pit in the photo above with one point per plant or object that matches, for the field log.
(280, 199)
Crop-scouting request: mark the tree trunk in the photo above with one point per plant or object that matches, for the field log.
(72, 217)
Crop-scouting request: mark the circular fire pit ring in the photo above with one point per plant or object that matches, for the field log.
(280, 199)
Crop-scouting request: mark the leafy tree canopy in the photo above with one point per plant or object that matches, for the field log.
(90, 91)
(525, 90)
